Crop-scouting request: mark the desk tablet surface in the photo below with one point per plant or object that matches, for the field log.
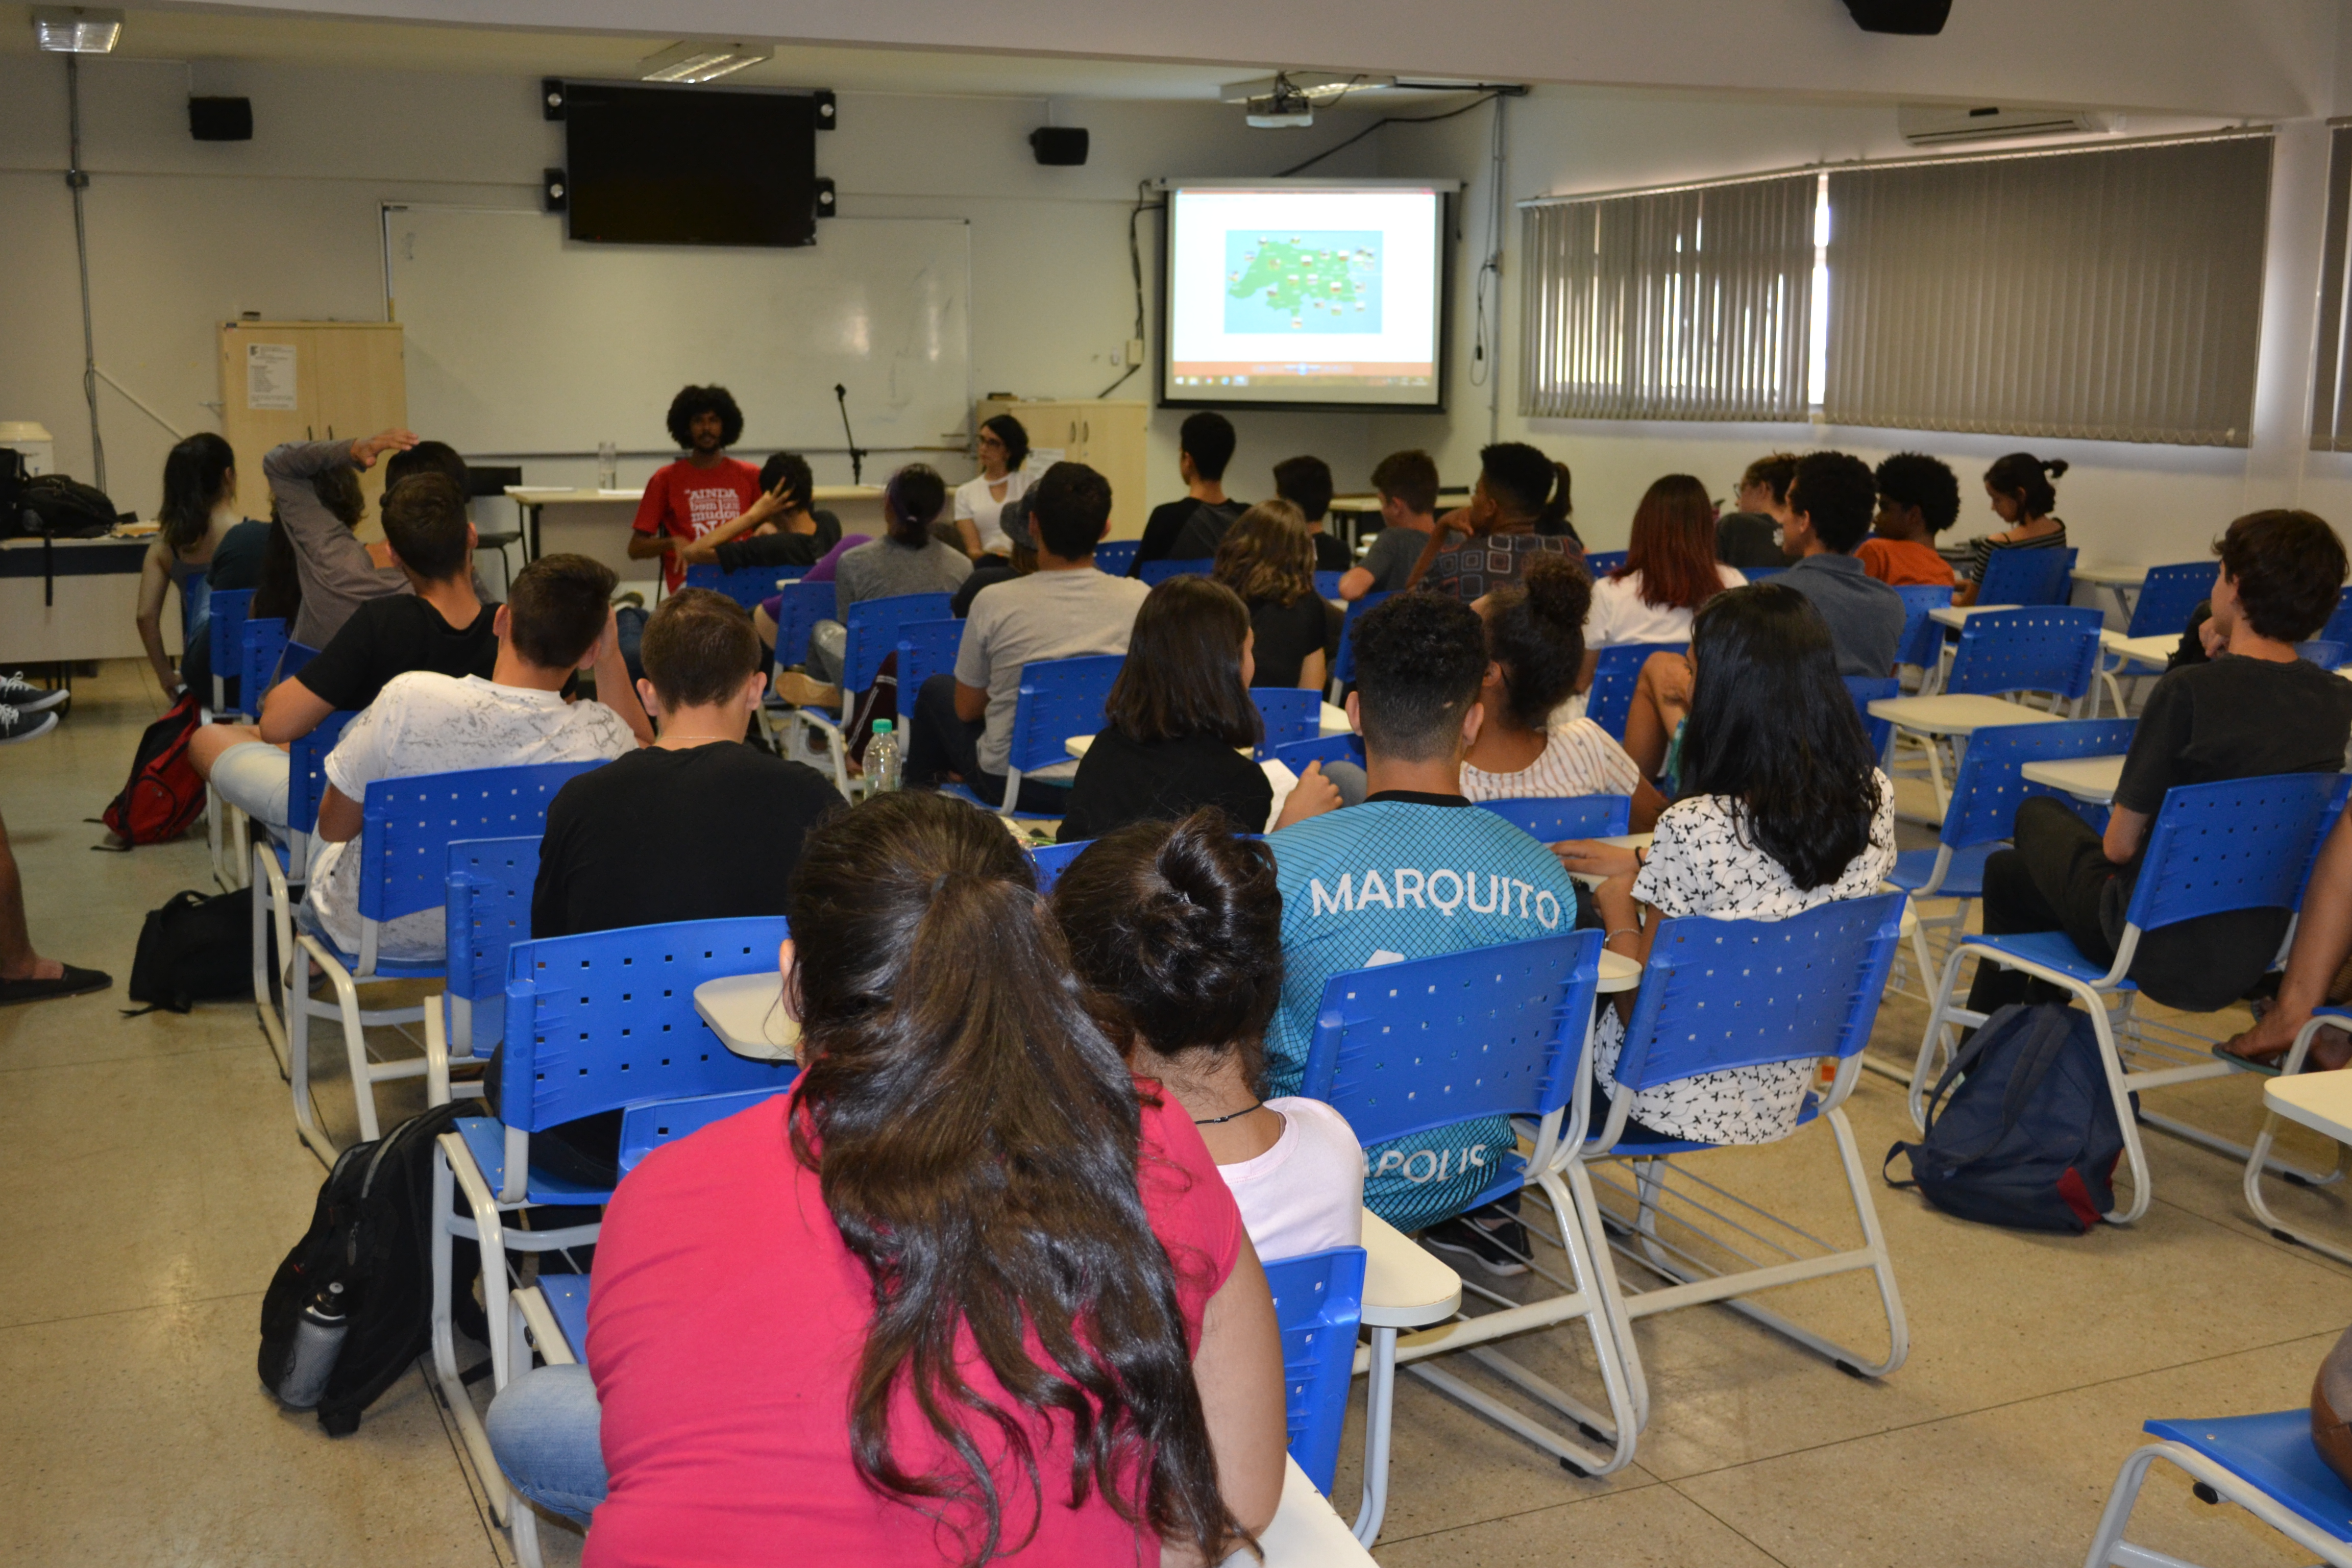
(747, 1012)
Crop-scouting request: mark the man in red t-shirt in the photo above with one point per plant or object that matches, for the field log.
(706, 488)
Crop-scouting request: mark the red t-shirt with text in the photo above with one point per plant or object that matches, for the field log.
(687, 502)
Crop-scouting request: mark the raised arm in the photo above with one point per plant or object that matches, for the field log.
(336, 558)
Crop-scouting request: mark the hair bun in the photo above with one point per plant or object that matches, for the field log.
(2054, 466)
(1558, 591)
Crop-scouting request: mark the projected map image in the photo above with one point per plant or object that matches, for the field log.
(1310, 280)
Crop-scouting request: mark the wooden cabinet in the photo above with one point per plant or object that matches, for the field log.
(1108, 437)
(308, 381)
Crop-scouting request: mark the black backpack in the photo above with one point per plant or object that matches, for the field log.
(197, 948)
(65, 507)
(2030, 1139)
(372, 1233)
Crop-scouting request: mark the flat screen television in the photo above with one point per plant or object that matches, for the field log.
(689, 165)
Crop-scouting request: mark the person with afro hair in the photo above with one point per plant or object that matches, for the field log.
(704, 490)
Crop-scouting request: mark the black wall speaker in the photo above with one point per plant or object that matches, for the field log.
(555, 191)
(1918, 17)
(1062, 145)
(220, 119)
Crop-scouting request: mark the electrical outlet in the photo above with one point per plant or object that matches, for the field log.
(1118, 356)
(1135, 351)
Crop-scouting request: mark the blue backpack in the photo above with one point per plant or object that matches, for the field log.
(2029, 1139)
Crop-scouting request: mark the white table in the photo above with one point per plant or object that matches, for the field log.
(2320, 1101)
(2091, 779)
(2155, 650)
(1334, 721)
(2120, 580)
(77, 600)
(1617, 840)
(747, 1012)
(595, 524)
(1962, 714)
(1957, 615)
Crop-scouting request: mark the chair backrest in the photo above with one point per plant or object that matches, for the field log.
(2168, 595)
(1719, 993)
(489, 891)
(1052, 860)
(2043, 649)
(227, 638)
(645, 1128)
(1325, 749)
(1554, 817)
(1113, 557)
(802, 604)
(2028, 577)
(1603, 561)
(1343, 666)
(2241, 844)
(1326, 585)
(1430, 1042)
(1318, 1303)
(2325, 654)
(291, 662)
(873, 626)
(410, 822)
(264, 644)
(747, 585)
(1291, 714)
(925, 648)
(1613, 678)
(2339, 624)
(607, 1019)
(1923, 639)
(1059, 698)
(1866, 689)
(1155, 573)
(1760, 573)
(306, 772)
(1988, 788)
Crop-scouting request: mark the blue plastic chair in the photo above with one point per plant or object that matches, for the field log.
(2028, 577)
(263, 644)
(1721, 993)
(1756, 575)
(1866, 689)
(2241, 844)
(2258, 1158)
(1155, 573)
(2339, 624)
(1614, 675)
(1491, 1031)
(1291, 714)
(490, 890)
(925, 648)
(1343, 664)
(1114, 557)
(2321, 652)
(291, 662)
(2168, 595)
(2265, 1464)
(749, 586)
(1318, 1300)
(874, 627)
(802, 605)
(1326, 585)
(1552, 818)
(1058, 698)
(1052, 860)
(227, 636)
(2002, 654)
(407, 826)
(1603, 561)
(1325, 749)
(1923, 639)
(278, 868)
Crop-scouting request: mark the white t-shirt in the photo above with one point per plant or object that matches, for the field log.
(1578, 758)
(1619, 615)
(1306, 1193)
(985, 512)
(1046, 614)
(427, 723)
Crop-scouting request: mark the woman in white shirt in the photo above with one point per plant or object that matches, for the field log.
(1670, 570)
(979, 501)
(1175, 930)
(1784, 809)
(1530, 745)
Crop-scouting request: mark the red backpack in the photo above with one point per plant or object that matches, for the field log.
(166, 793)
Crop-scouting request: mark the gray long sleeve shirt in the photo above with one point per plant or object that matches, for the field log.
(336, 574)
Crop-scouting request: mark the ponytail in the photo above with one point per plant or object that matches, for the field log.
(195, 480)
(1557, 508)
(2027, 478)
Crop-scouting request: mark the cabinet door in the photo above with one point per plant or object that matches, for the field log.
(363, 388)
(273, 365)
(1115, 447)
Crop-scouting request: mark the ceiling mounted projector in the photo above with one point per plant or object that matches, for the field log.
(1285, 107)
(76, 31)
(698, 62)
(1324, 87)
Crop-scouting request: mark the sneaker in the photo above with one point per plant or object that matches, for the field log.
(27, 698)
(16, 724)
(1502, 1251)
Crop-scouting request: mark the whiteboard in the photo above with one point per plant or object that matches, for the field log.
(519, 341)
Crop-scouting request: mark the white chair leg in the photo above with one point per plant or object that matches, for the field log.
(1380, 1417)
(267, 888)
(2259, 1161)
(489, 1235)
(2108, 1548)
(2118, 1091)
(1941, 1017)
(297, 1054)
(347, 1011)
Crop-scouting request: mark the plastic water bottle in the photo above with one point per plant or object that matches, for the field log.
(318, 1342)
(608, 465)
(882, 757)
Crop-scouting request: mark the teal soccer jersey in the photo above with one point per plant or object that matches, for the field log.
(1394, 879)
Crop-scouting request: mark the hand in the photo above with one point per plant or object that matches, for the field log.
(689, 552)
(1312, 796)
(1590, 857)
(2209, 633)
(365, 453)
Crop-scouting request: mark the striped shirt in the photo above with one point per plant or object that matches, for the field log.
(1578, 758)
(1980, 549)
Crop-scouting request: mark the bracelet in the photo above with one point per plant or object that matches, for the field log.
(1627, 930)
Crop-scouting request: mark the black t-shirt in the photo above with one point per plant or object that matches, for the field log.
(236, 559)
(981, 576)
(782, 549)
(1168, 520)
(392, 635)
(1204, 531)
(1286, 635)
(1748, 539)
(1330, 554)
(1120, 781)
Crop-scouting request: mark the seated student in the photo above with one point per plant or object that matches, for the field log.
(2023, 497)
(784, 528)
(703, 490)
(1784, 810)
(906, 559)
(1204, 445)
(1407, 482)
(1064, 609)
(1180, 724)
(196, 524)
(964, 1161)
(981, 501)
(1918, 497)
(559, 619)
(1529, 745)
(1306, 483)
(1175, 928)
(339, 573)
(1518, 510)
(1670, 570)
(1830, 508)
(2323, 940)
(1750, 537)
(2254, 710)
(1018, 560)
(1267, 558)
(1413, 872)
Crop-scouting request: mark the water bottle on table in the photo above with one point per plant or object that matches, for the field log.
(882, 757)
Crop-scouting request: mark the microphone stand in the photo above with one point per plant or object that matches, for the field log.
(856, 452)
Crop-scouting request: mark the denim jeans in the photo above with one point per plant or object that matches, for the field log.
(543, 1430)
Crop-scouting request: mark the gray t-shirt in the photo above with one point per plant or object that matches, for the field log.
(330, 561)
(882, 569)
(1390, 558)
(1865, 616)
(1046, 614)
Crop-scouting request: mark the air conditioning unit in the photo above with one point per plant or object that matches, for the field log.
(1941, 125)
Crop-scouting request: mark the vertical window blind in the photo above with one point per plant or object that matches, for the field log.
(1683, 304)
(2331, 403)
(2109, 295)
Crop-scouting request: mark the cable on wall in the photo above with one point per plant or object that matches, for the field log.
(78, 181)
(1135, 265)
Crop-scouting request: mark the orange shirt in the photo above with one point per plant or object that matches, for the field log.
(1904, 563)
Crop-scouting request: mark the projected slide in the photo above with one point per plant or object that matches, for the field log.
(1306, 294)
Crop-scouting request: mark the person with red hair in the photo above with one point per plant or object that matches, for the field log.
(1670, 570)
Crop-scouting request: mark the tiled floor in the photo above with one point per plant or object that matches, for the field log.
(151, 1179)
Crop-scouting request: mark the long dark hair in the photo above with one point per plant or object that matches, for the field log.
(1184, 671)
(195, 480)
(975, 1136)
(1774, 728)
(912, 503)
(1673, 545)
(1535, 630)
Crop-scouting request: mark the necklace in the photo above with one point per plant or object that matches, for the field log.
(1228, 1116)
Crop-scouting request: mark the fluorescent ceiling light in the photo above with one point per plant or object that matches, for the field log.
(77, 32)
(692, 62)
(1317, 87)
